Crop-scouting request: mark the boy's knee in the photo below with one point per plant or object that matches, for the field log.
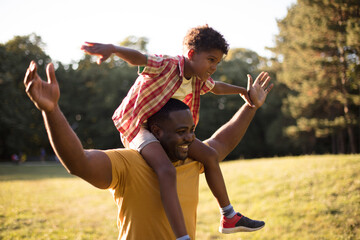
(213, 155)
(212, 158)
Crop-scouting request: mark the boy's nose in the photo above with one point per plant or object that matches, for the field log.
(213, 67)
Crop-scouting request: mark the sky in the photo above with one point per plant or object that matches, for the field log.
(65, 25)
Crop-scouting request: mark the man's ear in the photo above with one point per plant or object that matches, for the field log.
(156, 131)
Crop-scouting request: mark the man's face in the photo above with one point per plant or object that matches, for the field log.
(177, 134)
(204, 63)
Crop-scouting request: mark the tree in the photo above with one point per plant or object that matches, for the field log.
(20, 127)
(138, 43)
(318, 49)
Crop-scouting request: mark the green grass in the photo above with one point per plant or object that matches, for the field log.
(308, 197)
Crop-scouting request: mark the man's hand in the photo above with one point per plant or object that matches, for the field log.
(259, 90)
(244, 94)
(45, 95)
(102, 51)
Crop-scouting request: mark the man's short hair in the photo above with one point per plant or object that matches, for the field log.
(205, 38)
(163, 114)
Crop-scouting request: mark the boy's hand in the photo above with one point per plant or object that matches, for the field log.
(45, 95)
(259, 90)
(102, 51)
(245, 95)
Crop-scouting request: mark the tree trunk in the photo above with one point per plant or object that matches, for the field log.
(346, 105)
(344, 68)
(341, 142)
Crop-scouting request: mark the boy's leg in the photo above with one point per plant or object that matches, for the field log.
(231, 221)
(157, 159)
(208, 156)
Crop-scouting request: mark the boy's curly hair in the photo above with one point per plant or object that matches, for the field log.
(205, 38)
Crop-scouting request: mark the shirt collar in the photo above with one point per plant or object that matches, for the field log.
(181, 65)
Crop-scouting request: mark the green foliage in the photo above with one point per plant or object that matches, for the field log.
(138, 43)
(21, 127)
(90, 95)
(264, 136)
(318, 50)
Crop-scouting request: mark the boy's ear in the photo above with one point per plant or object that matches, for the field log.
(191, 53)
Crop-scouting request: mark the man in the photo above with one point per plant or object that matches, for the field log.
(132, 182)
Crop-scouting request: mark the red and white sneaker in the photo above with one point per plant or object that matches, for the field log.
(239, 223)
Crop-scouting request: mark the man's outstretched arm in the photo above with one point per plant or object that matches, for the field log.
(91, 165)
(227, 137)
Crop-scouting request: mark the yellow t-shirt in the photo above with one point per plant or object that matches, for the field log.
(135, 189)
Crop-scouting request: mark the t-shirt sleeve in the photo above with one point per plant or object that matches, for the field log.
(118, 166)
(207, 86)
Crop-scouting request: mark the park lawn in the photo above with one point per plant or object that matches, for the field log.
(307, 197)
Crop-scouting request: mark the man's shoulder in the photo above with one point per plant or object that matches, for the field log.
(120, 151)
(123, 154)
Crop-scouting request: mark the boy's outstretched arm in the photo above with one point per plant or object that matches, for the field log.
(91, 165)
(104, 51)
(226, 138)
(222, 88)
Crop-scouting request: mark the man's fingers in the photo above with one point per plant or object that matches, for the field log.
(30, 72)
(27, 77)
(50, 73)
(27, 90)
(266, 82)
(269, 88)
(32, 66)
(263, 77)
(250, 82)
(258, 79)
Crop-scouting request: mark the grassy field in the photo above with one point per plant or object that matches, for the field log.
(308, 197)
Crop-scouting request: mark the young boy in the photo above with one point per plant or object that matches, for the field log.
(184, 78)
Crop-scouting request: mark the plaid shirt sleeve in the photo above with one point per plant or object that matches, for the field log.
(209, 84)
(154, 67)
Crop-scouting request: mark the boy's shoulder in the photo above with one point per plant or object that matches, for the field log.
(160, 57)
(155, 61)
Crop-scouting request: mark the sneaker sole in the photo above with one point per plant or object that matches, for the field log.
(239, 229)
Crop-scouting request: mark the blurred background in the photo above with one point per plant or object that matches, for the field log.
(311, 48)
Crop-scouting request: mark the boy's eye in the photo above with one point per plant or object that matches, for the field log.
(213, 60)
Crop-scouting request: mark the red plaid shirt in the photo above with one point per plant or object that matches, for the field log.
(156, 84)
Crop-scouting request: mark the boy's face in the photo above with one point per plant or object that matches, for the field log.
(204, 63)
